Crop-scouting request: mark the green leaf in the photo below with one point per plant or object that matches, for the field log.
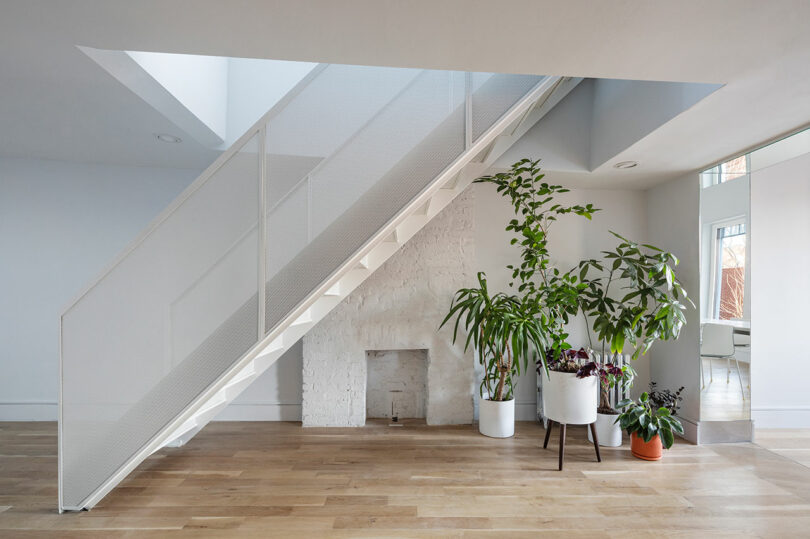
(667, 438)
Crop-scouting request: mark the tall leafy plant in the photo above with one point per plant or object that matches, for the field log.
(507, 330)
(553, 294)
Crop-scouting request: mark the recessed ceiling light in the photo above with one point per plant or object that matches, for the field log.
(165, 137)
(626, 164)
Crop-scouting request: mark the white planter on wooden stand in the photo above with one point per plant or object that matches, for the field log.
(608, 432)
(569, 400)
(496, 419)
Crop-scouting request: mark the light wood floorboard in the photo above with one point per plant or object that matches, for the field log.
(280, 480)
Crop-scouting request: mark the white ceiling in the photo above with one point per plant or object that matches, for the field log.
(56, 103)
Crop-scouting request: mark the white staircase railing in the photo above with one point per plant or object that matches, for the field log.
(285, 224)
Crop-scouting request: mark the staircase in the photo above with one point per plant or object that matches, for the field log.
(282, 227)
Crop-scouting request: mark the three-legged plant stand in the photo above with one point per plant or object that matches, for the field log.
(562, 440)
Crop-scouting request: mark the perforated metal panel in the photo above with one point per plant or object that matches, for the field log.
(141, 344)
(342, 156)
(373, 172)
(493, 94)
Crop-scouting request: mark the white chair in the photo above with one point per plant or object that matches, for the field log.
(717, 342)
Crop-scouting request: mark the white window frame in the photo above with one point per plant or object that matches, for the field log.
(714, 298)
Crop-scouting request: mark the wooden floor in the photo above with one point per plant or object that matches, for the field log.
(722, 399)
(279, 480)
(791, 443)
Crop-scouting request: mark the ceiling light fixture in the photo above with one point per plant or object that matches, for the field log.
(165, 137)
(626, 164)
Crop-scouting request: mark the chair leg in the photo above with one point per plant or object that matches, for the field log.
(728, 370)
(548, 433)
(711, 371)
(739, 376)
(562, 445)
(702, 376)
(595, 442)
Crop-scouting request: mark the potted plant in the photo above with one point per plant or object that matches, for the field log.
(504, 331)
(651, 429)
(633, 298)
(569, 393)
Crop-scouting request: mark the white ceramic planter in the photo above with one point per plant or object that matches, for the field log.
(496, 419)
(570, 400)
(609, 433)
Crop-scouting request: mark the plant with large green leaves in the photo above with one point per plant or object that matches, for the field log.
(634, 298)
(652, 300)
(647, 422)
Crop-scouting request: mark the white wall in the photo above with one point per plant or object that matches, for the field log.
(673, 217)
(60, 224)
(399, 307)
(780, 294)
(624, 111)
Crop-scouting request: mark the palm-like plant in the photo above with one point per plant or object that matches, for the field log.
(504, 330)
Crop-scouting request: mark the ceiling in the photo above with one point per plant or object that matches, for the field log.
(56, 103)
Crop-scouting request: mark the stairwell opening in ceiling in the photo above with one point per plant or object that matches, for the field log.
(213, 99)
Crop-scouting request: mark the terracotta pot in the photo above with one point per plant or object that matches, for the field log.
(652, 450)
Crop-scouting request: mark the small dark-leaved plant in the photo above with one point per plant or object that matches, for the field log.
(665, 397)
(646, 421)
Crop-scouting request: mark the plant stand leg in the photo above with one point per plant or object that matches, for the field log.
(548, 433)
(595, 442)
(562, 444)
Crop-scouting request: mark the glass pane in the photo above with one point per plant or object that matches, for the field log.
(724, 172)
(160, 327)
(730, 300)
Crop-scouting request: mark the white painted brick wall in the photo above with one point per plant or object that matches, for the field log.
(399, 307)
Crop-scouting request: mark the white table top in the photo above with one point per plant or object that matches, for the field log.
(743, 324)
(739, 327)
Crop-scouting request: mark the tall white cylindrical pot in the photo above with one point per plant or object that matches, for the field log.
(609, 433)
(496, 419)
(570, 400)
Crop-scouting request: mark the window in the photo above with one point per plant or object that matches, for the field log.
(724, 172)
(728, 259)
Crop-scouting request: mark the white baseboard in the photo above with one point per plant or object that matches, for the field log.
(260, 412)
(49, 411)
(525, 411)
(775, 417)
(29, 411)
(690, 430)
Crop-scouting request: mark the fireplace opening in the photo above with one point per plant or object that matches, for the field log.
(396, 384)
